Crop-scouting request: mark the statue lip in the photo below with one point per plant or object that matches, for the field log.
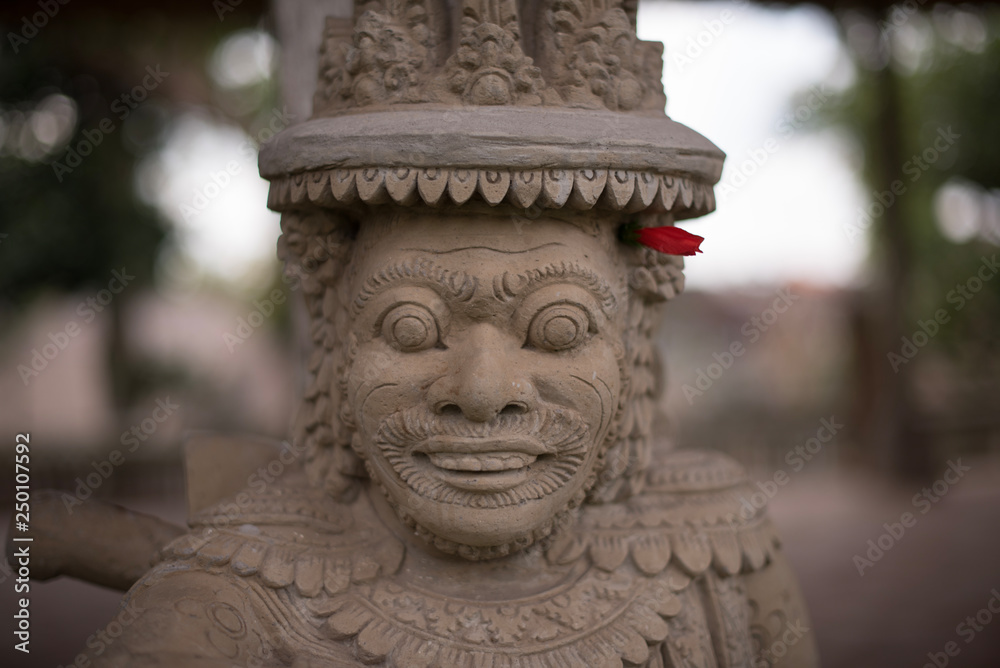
(482, 464)
(486, 462)
(483, 446)
(483, 481)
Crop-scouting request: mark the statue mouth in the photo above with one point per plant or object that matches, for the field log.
(481, 464)
(486, 462)
(510, 461)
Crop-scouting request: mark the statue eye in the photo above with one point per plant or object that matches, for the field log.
(410, 328)
(559, 327)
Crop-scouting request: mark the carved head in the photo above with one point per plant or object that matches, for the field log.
(489, 372)
(485, 369)
(483, 349)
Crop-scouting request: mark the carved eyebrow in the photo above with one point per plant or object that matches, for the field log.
(509, 285)
(457, 284)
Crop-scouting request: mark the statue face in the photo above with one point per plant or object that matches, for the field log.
(486, 369)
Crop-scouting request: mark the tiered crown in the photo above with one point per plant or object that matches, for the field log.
(534, 104)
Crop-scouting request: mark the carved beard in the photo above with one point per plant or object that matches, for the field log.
(563, 435)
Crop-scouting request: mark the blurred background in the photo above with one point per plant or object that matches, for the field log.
(840, 335)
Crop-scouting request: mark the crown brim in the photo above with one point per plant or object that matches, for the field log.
(524, 157)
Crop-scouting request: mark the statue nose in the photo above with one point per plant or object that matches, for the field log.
(484, 379)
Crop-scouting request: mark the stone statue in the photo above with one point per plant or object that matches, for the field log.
(474, 479)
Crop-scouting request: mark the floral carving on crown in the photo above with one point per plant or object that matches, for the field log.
(595, 58)
(384, 60)
(489, 67)
(582, 54)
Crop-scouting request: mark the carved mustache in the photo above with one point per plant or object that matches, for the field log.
(545, 430)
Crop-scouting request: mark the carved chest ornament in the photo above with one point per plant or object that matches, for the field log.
(639, 583)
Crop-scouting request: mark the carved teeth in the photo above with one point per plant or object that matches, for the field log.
(492, 461)
(548, 189)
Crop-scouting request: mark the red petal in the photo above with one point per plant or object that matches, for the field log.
(670, 240)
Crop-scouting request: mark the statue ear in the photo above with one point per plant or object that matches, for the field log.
(315, 246)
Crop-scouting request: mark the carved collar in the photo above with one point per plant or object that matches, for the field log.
(628, 568)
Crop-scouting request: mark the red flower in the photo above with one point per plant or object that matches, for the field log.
(670, 240)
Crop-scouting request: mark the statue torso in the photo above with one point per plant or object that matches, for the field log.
(659, 580)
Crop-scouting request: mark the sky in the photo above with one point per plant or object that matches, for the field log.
(752, 79)
(749, 78)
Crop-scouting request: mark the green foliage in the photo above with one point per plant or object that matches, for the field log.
(961, 89)
(68, 233)
(952, 86)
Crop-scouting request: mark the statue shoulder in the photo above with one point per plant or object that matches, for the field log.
(695, 510)
(780, 620)
(212, 598)
(698, 519)
(289, 533)
(692, 471)
(187, 617)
